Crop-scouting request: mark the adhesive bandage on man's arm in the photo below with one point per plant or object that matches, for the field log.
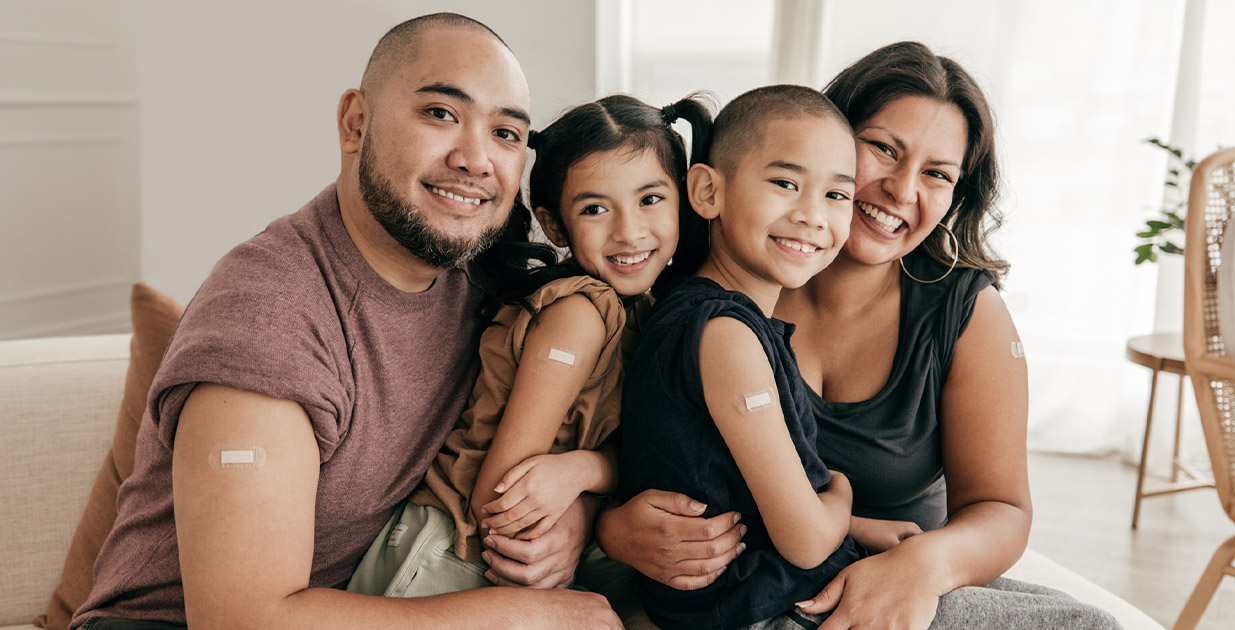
(1018, 350)
(238, 457)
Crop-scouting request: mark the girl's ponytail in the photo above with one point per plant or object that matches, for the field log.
(692, 247)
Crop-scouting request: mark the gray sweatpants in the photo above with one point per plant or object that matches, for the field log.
(1004, 604)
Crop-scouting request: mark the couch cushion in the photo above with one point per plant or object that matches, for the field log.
(155, 316)
(59, 397)
(1038, 569)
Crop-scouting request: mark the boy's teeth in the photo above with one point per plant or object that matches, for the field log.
(798, 245)
(886, 221)
(450, 195)
(632, 259)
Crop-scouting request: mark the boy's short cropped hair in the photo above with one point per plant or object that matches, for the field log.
(740, 124)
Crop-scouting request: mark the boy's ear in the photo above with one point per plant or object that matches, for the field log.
(704, 186)
(552, 227)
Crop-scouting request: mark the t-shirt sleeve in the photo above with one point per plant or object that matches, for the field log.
(258, 325)
(957, 310)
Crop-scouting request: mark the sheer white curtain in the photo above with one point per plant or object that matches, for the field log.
(1076, 85)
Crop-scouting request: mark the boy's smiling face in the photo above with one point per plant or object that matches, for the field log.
(784, 212)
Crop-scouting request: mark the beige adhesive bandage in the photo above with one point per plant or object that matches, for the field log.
(565, 357)
(238, 457)
(756, 401)
(1018, 350)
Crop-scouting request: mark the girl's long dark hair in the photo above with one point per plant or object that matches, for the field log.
(613, 122)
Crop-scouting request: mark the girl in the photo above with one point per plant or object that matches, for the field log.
(713, 406)
(607, 184)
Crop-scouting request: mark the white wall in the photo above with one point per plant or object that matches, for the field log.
(238, 102)
(68, 166)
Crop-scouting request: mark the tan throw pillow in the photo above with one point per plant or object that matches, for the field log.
(155, 315)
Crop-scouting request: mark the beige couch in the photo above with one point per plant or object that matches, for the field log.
(60, 398)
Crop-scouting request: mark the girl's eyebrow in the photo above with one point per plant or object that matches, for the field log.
(588, 195)
(652, 184)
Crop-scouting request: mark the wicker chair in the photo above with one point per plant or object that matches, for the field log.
(1209, 315)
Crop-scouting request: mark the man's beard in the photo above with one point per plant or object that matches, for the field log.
(403, 221)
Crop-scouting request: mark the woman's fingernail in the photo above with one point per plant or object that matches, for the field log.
(741, 548)
(501, 487)
(809, 602)
(697, 506)
(485, 556)
(741, 530)
(736, 517)
(488, 541)
(723, 569)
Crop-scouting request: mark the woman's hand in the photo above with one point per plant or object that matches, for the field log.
(548, 561)
(534, 494)
(879, 535)
(889, 591)
(662, 535)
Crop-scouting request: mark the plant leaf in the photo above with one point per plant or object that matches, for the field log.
(1170, 248)
(1158, 225)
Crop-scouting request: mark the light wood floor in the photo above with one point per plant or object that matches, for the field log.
(1082, 518)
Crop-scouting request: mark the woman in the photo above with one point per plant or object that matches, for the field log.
(917, 375)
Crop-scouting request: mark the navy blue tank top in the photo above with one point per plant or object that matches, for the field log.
(889, 446)
(669, 442)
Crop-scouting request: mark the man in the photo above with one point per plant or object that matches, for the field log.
(317, 371)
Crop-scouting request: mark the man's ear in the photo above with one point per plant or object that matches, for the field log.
(353, 121)
(552, 227)
(704, 188)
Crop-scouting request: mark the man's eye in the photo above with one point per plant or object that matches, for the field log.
(507, 134)
(651, 199)
(839, 195)
(593, 209)
(441, 114)
(786, 184)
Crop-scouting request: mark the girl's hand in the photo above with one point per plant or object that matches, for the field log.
(534, 494)
(878, 535)
(884, 591)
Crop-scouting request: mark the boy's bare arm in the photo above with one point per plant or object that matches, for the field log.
(246, 536)
(740, 390)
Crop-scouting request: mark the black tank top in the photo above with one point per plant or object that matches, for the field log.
(889, 445)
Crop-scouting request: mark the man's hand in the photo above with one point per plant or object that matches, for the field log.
(547, 561)
(662, 535)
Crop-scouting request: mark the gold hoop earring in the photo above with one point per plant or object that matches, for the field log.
(956, 252)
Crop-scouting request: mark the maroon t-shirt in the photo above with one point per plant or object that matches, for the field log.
(297, 313)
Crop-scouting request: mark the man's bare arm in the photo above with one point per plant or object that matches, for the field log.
(246, 536)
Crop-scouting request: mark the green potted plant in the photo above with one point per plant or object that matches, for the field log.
(1155, 238)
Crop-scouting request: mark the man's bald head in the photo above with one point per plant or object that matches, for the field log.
(740, 125)
(399, 46)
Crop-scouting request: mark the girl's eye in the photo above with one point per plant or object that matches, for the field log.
(507, 134)
(786, 184)
(651, 199)
(839, 195)
(593, 209)
(441, 114)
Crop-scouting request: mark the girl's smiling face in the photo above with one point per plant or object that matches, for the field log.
(910, 156)
(619, 217)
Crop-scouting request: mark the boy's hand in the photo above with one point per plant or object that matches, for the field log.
(879, 535)
(535, 493)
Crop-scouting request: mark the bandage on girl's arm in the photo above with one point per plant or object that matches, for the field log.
(559, 353)
(805, 527)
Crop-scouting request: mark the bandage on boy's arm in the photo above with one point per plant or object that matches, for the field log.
(544, 388)
(805, 527)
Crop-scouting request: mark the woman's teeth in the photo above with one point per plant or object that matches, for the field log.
(797, 245)
(886, 221)
(630, 259)
(449, 195)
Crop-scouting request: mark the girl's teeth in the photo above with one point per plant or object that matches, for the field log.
(797, 245)
(630, 260)
(450, 195)
(886, 221)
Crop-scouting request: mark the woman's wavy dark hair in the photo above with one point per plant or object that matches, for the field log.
(912, 69)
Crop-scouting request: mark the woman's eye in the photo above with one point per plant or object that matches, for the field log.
(786, 184)
(883, 148)
(939, 175)
(593, 209)
(651, 199)
(507, 134)
(441, 114)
